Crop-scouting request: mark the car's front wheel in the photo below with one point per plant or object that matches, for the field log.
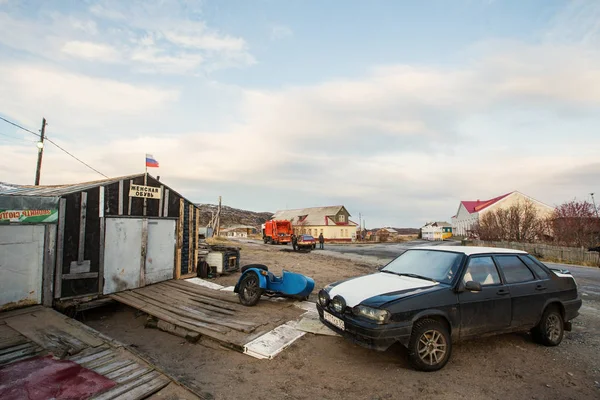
(550, 330)
(430, 345)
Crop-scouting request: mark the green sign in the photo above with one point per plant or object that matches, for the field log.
(28, 216)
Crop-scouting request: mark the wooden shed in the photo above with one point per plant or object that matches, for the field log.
(118, 234)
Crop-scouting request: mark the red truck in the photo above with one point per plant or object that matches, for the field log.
(277, 231)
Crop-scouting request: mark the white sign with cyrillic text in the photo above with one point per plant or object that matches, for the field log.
(147, 192)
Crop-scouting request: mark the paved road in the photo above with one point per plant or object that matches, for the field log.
(384, 250)
(588, 278)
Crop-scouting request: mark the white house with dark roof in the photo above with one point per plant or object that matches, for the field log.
(333, 222)
(469, 211)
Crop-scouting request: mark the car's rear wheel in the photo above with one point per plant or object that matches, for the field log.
(550, 330)
(249, 290)
(430, 345)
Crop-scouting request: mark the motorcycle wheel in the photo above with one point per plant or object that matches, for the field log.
(249, 291)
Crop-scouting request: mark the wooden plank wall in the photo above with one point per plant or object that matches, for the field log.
(191, 223)
(60, 239)
(179, 249)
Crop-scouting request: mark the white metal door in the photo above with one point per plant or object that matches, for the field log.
(122, 254)
(160, 254)
(21, 264)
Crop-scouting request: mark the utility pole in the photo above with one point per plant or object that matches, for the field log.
(594, 203)
(40, 146)
(360, 226)
(218, 227)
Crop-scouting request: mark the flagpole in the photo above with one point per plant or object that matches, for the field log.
(145, 182)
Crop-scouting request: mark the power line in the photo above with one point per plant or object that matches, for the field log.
(17, 138)
(54, 143)
(83, 162)
(20, 127)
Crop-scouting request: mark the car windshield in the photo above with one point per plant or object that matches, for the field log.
(307, 237)
(439, 266)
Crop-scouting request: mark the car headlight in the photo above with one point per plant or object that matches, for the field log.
(338, 304)
(323, 297)
(375, 314)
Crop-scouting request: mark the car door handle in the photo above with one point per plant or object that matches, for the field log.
(502, 292)
(540, 287)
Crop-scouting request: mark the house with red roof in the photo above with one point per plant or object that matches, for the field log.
(469, 211)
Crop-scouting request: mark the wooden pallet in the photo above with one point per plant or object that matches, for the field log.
(135, 380)
(211, 313)
(38, 331)
(16, 347)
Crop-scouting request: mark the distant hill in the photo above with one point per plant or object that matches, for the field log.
(232, 216)
(408, 231)
(402, 231)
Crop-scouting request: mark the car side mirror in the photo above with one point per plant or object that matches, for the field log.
(473, 286)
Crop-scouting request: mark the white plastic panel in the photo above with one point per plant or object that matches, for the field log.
(122, 254)
(160, 256)
(21, 263)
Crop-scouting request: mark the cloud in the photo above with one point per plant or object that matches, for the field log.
(161, 37)
(212, 42)
(155, 60)
(279, 32)
(402, 142)
(102, 11)
(91, 51)
(74, 100)
(422, 136)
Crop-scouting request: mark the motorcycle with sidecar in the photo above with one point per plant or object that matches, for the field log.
(256, 281)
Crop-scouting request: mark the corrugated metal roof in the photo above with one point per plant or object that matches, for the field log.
(312, 216)
(478, 205)
(57, 190)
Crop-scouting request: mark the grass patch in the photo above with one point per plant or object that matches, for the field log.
(567, 262)
(218, 240)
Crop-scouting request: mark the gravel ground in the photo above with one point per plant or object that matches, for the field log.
(500, 367)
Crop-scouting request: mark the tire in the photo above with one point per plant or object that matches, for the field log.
(265, 240)
(550, 331)
(430, 345)
(249, 291)
(203, 270)
(314, 246)
(257, 266)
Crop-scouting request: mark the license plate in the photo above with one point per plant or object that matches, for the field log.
(334, 320)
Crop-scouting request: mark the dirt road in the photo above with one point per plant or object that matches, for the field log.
(320, 367)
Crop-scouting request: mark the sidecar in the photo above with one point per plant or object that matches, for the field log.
(256, 281)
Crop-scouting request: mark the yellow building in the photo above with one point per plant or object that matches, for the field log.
(333, 222)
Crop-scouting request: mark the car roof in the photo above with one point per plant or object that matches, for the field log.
(470, 250)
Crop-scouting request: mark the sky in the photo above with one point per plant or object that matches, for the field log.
(396, 109)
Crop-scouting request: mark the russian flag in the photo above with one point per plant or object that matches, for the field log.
(151, 162)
